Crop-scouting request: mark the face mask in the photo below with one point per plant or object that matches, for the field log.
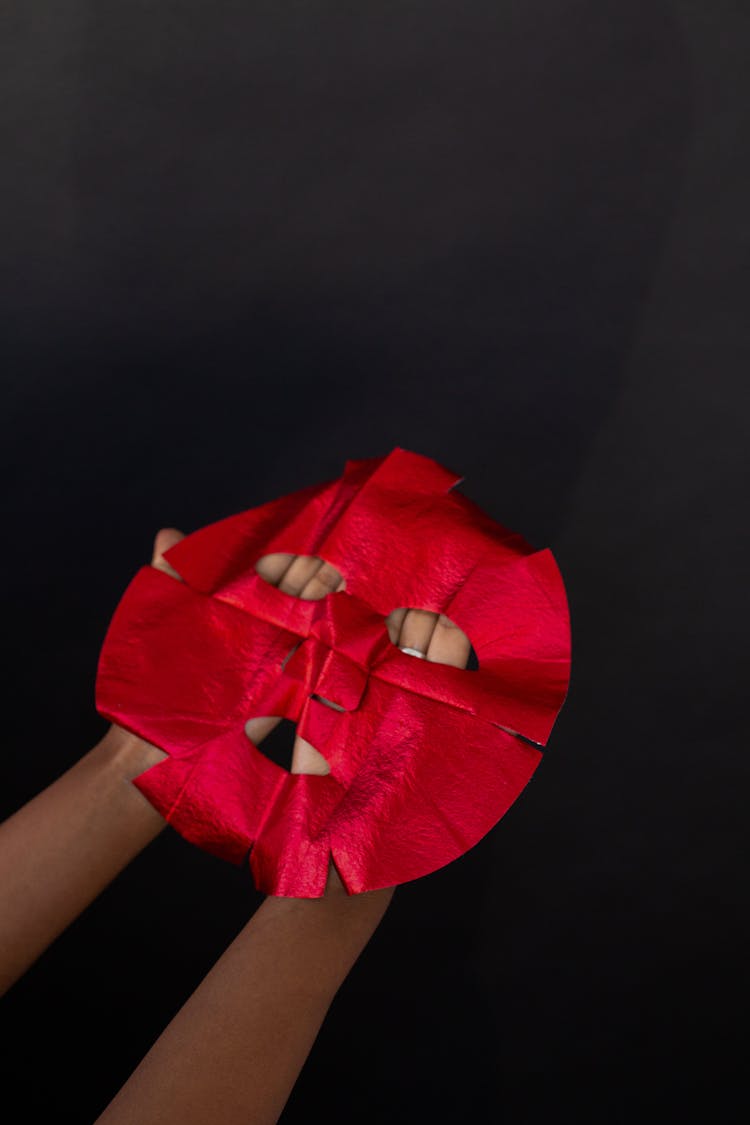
(424, 757)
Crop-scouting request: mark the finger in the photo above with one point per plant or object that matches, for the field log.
(449, 644)
(417, 629)
(393, 623)
(257, 729)
(306, 759)
(326, 580)
(273, 567)
(299, 574)
(166, 538)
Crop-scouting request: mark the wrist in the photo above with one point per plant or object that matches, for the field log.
(125, 753)
(336, 908)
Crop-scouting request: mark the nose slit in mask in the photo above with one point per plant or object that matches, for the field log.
(277, 739)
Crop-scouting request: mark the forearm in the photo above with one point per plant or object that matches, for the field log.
(61, 849)
(233, 1053)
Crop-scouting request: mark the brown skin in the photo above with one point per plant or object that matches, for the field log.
(233, 1052)
(59, 851)
(306, 576)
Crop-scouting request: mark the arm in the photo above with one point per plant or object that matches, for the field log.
(61, 850)
(234, 1051)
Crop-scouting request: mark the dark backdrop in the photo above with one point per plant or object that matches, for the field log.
(241, 242)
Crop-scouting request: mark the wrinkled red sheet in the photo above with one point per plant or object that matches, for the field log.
(424, 757)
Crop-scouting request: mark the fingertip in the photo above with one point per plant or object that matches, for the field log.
(165, 538)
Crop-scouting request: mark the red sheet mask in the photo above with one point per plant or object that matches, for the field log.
(424, 757)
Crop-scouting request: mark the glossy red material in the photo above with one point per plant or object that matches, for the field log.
(424, 757)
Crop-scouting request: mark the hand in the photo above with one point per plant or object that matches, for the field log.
(135, 754)
(433, 635)
(420, 631)
(63, 847)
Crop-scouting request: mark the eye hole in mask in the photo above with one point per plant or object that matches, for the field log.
(425, 635)
(419, 633)
(302, 576)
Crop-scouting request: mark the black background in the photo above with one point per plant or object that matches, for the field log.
(242, 242)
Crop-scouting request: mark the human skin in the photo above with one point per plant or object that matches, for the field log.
(233, 1052)
(62, 849)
